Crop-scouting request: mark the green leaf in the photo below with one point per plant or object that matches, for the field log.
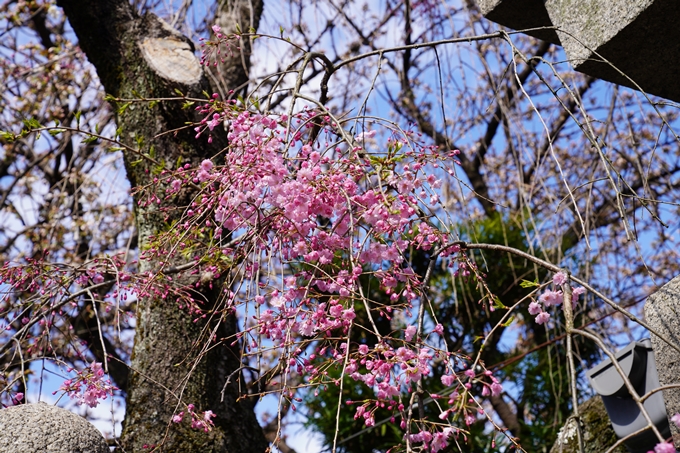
(528, 284)
(508, 322)
(55, 132)
(90, 139)
(7, 136)
(497, 304)
(179, 93)
(123, 107)
(157, 169)
(31, 123)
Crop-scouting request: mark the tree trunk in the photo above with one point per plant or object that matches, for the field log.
(142, 57)
(598, 434)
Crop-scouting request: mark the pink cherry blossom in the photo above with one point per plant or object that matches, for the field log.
(550, 298)
(277, 301)
(206, 165)
(676, 419)
(575, 292)
(175, 185)
(439, 442)
(542, 317)
(89, 386)
(409, 332)
(560, 278)
(664, 447)
(535, 308)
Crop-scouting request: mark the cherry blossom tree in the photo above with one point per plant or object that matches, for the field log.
(371, 214)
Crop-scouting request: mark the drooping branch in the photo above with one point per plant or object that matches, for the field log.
(557, 126)
(553, 268)
(85, 326)
(472, 165)
(505, 413)
(233, 68)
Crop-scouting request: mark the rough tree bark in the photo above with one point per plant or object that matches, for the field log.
(142, 57)
(598, 434)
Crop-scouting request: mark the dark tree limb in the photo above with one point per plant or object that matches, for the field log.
(86, 328)
(556, 127)
(506, 414)
(271, 433)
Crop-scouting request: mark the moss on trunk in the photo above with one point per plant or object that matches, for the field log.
(169, 361)
(598, 434)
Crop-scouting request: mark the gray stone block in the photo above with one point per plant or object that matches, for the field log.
(640, 38)
(520, 15)
(635, 43)
(662, 313)
(38, 428)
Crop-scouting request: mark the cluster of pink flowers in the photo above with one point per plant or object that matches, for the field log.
(304, 225)
(89, 387)
(198, 421)
(435, 442)
(37, 310)
(215, 115)
(667, 447)
(16, 398)
(664, 447)
(328, 216)
(214, 50)
(552, 298)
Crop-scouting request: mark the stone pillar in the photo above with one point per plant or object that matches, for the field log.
(520, 15)
(641, 38)
(662, 313)
(45, 428)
